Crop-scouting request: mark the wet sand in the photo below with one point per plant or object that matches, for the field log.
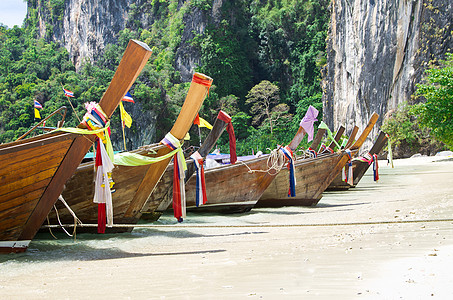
(387, 240)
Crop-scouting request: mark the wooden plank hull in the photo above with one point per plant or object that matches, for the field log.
(79, 194)
(359, 168)
(311, 180)
(161, 197)
(230, 188)
(133, 184)
(313, 176)
(35, 170)
(28, 167)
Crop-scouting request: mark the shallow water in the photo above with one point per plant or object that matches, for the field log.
(353, 243)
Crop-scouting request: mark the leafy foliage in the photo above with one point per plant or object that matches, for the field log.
(406, 134)
(437, 112)
(282, 42)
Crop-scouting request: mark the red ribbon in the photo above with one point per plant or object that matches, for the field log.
(101, 206)
(375, 167)
(177, 209)
(227, 119)
(203, 81)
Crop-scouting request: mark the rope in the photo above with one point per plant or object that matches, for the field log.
(275, 163)
(76, 220)
(265, 225)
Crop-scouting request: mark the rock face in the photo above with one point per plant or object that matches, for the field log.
(376, 54)
(87, 26)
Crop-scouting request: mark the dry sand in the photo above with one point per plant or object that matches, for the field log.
(386, 240)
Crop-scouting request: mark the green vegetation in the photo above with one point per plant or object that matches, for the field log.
(436, 113)
(279, 44)
(423, 127)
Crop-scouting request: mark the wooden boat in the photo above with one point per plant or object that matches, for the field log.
(234, 188)
(133, 184)
(359, 167)
(161, 197)
(34, 170)
(313, 176)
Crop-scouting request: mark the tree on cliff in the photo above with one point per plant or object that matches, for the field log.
(437, 112)
(264, 100)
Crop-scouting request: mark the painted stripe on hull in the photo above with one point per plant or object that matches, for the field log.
(13, 246)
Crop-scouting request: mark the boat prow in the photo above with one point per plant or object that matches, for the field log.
(34, 170)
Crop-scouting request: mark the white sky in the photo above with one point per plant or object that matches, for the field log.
(12, 12)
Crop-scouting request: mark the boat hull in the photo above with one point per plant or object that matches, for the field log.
(359, 167)
(79, 194)
(33, 174)
(133, 184)
(229, 188)
(34, 170)
(312, 178)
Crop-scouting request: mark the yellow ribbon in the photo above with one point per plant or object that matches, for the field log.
(102, 132)
(134, 159)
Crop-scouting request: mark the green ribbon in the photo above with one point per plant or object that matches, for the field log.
(345, 141)
(108, 147)
(134, 159)
(389, 148)
(329, 133)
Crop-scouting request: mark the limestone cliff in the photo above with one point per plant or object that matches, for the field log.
(86, 27)
(377, 52)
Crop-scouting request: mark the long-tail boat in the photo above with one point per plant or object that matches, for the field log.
(161, 197)
(34, 170)
(235, 188)
(313, 176)
(133, 184)
(359, 166)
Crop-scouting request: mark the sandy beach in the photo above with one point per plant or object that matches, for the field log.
(387, 240)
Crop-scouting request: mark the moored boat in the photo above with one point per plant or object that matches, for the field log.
(34, 170)
(313, 176)
(162, 196)
(359, 166)
(235, 188)
(133, 183)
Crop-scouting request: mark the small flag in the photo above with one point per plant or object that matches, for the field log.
(37, 104)
(37, 115)
(125, 117)
(128, 98)
(202, 122)
(68, 93)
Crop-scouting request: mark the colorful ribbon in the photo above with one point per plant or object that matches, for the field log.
(368, 158)
(179, 166)
(375, 168)
(308, 120)
(312, 152)
(203, 81)
(200, 194)
(292, 172)
(96, 119)
(227, 119)
(96, 122)
(389, 149)
(344, 144)
(329, 133)
(134, 159)
(350, 179)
